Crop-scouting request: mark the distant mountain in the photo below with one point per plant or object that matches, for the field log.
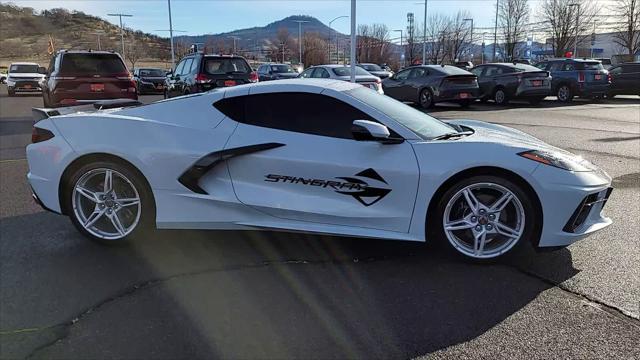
(246, 38)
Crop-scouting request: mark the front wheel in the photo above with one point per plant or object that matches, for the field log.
(109, 203)
(485, 217)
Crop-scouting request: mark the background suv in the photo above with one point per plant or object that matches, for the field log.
(577, 77)
(199, 72)
(24, 77)
(86, 75)
(149, 80)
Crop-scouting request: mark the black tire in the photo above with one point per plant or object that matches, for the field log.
(425, 99)
(564, 93)
(146, 222)
(530, 216)
(536, 100)
(500, 97)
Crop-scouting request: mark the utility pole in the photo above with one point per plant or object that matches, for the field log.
(471, 40)
(173, 54)
(593, 37)
(330, 22)
(495, 33)
(402, 47)
(98, 33)
(234, 42)
(352, 57)
(575, 47)
(482, 52)
(424, 33)
(282, 51)
(121, 29)
(300, 22)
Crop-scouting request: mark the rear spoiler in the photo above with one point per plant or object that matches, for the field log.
(86, 106)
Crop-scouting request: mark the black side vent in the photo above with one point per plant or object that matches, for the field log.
(582, 211)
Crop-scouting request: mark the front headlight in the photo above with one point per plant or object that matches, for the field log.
(558, 159)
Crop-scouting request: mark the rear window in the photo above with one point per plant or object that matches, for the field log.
(282, 69)
(152, 72)
(93, 64)
(346, 71)
(371, 67)
(217, 66)
(23, 68)
(589, 66)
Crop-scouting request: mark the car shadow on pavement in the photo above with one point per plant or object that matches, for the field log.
(247, 294)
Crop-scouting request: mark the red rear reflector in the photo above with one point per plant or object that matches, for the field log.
(609, 78)
(580, 76)
(202, 79)
(40, 135)
(253, 77)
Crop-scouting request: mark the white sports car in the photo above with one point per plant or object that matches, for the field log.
(319, 156)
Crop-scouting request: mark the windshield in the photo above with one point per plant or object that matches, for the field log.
(346, 71)
(93, 64)
(152, 72)
(371, 67)
(282, 69)
(216, 66)
(23, 69)
(423, 125)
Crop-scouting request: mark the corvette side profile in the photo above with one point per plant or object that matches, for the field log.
(311, 155)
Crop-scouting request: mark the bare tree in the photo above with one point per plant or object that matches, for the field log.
(627, 35)
(315, 49)
(562, 18)
(411, 34)
(137, 50)
(513, 16)
(458, 35)
(373, 44)
(437, 27)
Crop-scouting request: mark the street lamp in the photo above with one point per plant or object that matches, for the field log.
(402, 47)
(300, 22)
(495, 33)
(234, 42)
(424, 33)
(330, 22)
(471, 41)
(575, 48)
(121, 29)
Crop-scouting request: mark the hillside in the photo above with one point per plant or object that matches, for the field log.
(24, 34)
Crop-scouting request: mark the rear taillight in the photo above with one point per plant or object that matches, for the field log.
(40, 135)
(202, 79)
(124, 76)
(63, 77)
(253, 77)
(609, 78)
(581, 76)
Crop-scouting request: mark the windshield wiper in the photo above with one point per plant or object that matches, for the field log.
(452, 135)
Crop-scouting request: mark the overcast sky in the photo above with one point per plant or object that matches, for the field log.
(215, 16)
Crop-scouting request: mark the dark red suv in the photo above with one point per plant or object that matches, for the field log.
(86, 75)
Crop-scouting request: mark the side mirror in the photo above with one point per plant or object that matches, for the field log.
(365, 130)
(42, 70)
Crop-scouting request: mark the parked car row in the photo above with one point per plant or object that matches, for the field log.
(95, 75)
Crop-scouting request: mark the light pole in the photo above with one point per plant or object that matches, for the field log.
(470, 41)
(173, 56)
(575, 47)
(121, 29)
(482, 52)
(403, 55)
(330, 22)
(300, 22)
(98, 33)
(593, 38)
(424, 33)
(352, 57)
(495, 33)
(234, 42)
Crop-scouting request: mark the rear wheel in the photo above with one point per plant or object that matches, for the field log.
(426, 99)
(109, 203)
(564, 93)
(500, 97)
(485, 217)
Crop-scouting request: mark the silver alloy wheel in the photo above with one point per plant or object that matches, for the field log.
(500, 96)
(484, 220)
(106, 204)
(563, 93)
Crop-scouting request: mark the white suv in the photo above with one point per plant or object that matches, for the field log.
(24, 77)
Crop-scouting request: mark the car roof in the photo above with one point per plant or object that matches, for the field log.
(577, 60)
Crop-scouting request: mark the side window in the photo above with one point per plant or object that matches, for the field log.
(321, 73)
(556, 66)
(403, 75)
(187, 66)
(417, 73)
(568, 67)
(616, 70)
(491, 71)
(178, 70)
(305, 113)
(478, 71)
(307, 73)
(542, 65)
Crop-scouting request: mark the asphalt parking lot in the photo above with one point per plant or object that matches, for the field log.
(223, 294)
